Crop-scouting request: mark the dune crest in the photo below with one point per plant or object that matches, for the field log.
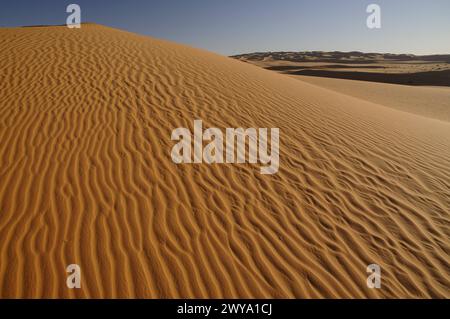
(86, 117)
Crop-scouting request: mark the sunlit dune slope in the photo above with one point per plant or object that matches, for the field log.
(432, 102)
(86, 177)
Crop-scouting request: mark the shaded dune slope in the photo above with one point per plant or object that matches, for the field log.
(86, 178)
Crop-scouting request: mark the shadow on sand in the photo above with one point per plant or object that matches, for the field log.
(432, 78)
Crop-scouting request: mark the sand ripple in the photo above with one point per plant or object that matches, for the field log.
(86, 177)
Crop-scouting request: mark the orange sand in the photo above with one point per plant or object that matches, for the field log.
(86, 177)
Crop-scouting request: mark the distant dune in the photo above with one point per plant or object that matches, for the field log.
(86, 177)
(407, 69)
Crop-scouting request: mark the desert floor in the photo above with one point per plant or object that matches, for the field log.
(430, 70)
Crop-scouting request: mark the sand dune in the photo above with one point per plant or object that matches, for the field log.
(432, 102)
(356, 74)
(86, 177)
(406, 69)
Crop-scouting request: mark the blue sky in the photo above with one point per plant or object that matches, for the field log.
(240, 26)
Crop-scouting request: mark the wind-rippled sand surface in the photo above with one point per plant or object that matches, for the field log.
(86, 177)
